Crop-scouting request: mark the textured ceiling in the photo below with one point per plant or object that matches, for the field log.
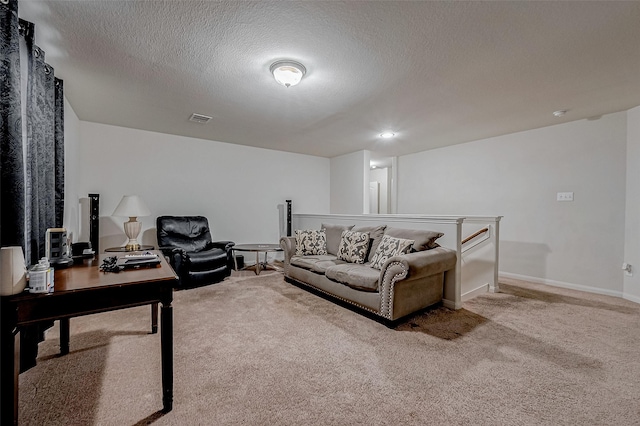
(436, 73)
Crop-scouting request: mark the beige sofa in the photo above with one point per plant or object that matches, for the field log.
(403, 284)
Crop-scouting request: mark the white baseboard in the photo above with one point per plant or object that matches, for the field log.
(450, 304)
(475, 292)
(561, 284)
(631, 298)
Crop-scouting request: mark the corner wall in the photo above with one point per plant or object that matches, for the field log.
(632, 221)
(71, 170)
(238, 188)
(575, 244)
(350, 183)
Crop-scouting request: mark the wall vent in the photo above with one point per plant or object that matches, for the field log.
(199, 118)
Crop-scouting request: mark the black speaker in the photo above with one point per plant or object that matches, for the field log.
(239, 262)
(94, 221)
(288, 218)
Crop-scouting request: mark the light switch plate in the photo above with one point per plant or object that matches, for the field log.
(565, 196)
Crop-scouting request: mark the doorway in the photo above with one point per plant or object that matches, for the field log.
(381, 185)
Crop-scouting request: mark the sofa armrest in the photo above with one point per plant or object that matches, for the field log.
(225, 245)
(170, 251)
(288, 245)
(411, 266)
(429, 262)
(176, 257)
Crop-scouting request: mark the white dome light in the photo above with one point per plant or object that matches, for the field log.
(387, 135)
(288, 73)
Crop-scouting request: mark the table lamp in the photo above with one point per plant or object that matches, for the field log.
(132, 206)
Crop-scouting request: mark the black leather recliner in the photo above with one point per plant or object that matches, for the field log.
(186, 242)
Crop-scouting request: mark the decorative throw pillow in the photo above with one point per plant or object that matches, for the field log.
(353, 246)
(334, 235)
(375, 236)
(388, 248)
(310, 242)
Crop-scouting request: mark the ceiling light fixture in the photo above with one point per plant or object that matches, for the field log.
(288, 73)
(387, 135)
(560, 112)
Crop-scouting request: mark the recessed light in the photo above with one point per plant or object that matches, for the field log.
(387, 135)
(560, 112)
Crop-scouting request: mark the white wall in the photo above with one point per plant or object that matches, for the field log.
(575, 244)
(632, 222)
(71, 170)
(238, 188)
(350, 183)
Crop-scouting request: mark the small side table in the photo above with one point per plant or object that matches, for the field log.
(124, 249)
(257, 248)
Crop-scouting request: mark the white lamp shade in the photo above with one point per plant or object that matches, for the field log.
(131, 206)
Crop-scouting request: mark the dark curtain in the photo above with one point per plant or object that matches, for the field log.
(59, 153)
(12, 178)
(32, 161)
(40, 148)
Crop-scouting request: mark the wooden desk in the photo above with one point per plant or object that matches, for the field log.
(82, 290)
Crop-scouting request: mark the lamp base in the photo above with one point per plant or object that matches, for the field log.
(132, 247)
(132, 230)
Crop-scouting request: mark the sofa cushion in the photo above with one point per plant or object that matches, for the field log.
(334, 235)
(316, 263)
(424, 240)
(388, 248)
(354, 246)
(375, 236)
(310, 242)
(361, 277)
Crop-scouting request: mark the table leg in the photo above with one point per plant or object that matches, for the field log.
(235, 261)
(166, 342)
(154, 318)
(9, 371)
(257, 263)
(64, 336)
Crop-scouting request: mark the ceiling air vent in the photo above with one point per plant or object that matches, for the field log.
(199, 118)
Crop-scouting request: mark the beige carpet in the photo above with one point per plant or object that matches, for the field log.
(258, 351)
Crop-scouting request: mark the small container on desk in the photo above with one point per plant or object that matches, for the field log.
(125, 250)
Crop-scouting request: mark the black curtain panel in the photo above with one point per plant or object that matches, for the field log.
(59, 152)
(33, 138)
(12, 177)
(31, 151)
(40, 149)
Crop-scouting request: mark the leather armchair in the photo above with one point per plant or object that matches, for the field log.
(186, 242)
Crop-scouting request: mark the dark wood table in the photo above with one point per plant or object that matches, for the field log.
(82, 290)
